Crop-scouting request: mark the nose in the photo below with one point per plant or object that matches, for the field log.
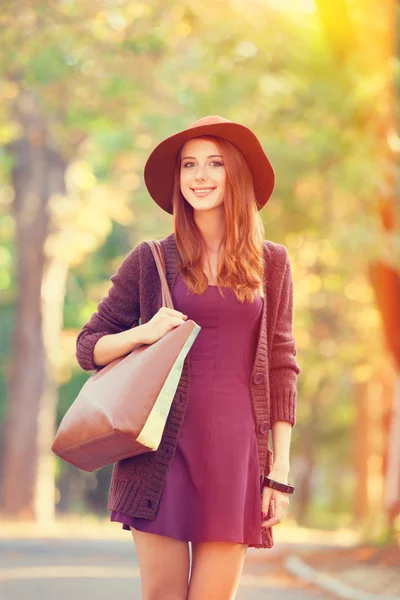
(201, 173)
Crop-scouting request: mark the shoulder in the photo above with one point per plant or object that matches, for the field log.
(143, 255)
(134, 259)
(135, 256)
(276, 255)
(277, 267)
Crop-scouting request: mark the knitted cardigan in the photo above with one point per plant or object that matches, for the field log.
(137, 482)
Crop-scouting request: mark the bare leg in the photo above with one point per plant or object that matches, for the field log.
(164, 564)
(216, 570)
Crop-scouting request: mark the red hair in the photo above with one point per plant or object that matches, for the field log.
(240, 265)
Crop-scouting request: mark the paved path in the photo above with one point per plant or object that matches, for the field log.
(61, 569)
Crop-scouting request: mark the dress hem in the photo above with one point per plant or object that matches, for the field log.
(182, 539)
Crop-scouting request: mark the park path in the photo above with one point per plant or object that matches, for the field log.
(62, 568)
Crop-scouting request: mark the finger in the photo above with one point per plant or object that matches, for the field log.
(270, 523)
(175, 321)
(171, 312)
(277, 518)
(270, 507)
(266, 499)
(279, 513)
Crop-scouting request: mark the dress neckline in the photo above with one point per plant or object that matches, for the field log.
(210, 285)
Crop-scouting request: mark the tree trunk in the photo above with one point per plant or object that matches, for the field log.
(53, 295)
(38, 172)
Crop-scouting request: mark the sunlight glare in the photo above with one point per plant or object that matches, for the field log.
(300, 6)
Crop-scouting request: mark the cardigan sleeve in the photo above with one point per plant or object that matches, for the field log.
(116, 312)
(283, 368)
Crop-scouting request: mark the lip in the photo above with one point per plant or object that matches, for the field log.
(204, 188)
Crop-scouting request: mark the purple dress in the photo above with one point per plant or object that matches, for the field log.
(212, 489)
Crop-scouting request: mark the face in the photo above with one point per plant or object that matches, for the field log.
(202, 168)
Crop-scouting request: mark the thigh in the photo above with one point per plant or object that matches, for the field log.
(216, 570)
(164, 564)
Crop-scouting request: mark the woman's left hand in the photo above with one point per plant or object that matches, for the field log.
(280, 501)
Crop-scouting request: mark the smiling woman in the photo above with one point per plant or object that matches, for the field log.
(205, 482)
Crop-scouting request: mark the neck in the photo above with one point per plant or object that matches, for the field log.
(211, 224)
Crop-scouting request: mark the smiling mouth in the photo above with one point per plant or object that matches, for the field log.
(202, 192)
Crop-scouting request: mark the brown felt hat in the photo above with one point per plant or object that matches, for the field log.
(159, 167)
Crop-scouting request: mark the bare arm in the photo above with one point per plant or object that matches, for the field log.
(281, 436)
(112, 346)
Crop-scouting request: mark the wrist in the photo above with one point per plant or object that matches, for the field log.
(136, 336)
(143, 333)
(279, 474)
(282, 486)
(282, 466)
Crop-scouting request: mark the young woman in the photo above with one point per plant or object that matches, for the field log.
(206, 484)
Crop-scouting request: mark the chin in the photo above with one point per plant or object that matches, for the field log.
(203, 205)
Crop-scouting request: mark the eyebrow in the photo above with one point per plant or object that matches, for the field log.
(211, 156)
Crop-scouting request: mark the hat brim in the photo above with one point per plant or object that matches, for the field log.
(159, 167)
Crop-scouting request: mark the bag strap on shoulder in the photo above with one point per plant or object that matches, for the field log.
(158, 254)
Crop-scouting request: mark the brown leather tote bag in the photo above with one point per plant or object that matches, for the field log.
(122, 409)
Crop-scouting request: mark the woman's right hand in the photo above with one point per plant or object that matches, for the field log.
(164, 320)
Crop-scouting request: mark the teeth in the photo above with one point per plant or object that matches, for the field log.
(203, 191)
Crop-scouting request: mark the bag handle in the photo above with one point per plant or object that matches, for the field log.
(158, 254)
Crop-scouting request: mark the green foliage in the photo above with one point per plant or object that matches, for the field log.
(111, 79)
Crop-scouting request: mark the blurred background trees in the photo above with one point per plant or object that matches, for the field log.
(87, 90)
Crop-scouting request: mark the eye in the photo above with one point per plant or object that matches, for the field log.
(218, 163)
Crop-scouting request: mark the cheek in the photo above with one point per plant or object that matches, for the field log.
(185, 178)
(220, 178)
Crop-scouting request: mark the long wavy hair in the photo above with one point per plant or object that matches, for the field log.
(240, 257)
